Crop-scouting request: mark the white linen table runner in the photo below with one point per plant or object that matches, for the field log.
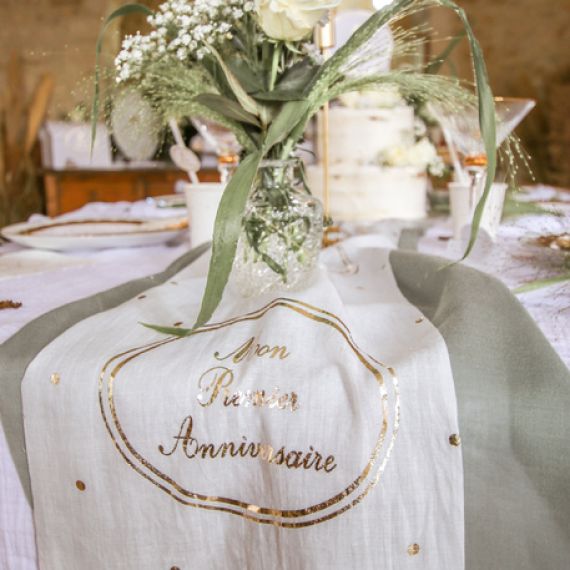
(303, 430)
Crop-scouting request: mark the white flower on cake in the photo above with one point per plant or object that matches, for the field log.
(291, 20)
(385, 98)
(421, 155)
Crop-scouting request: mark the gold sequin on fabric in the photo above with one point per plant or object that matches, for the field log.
(80, 485)
(414, 549)
(9, 304)
(55, 378)
(454, 440)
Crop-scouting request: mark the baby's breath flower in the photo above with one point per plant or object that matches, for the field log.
(182, 29)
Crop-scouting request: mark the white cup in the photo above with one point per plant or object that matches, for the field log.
(202, 200)
(462, 206)
(493, 211)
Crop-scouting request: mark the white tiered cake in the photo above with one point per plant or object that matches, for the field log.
(361, 187)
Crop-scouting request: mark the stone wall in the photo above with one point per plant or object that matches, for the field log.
(525, 43)
(56, 36)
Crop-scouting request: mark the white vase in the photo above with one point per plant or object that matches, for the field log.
(463, 204)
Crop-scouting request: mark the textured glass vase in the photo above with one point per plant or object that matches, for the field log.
(282, 232)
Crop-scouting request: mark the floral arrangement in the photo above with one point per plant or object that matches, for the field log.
(251, 66)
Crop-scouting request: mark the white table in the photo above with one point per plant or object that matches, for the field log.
(51, 280)
(45, 281)
(514, 260)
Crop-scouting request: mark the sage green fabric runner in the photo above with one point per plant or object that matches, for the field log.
(513, 396)
(19, 350)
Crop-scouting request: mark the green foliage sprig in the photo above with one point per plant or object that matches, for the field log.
(266, 91)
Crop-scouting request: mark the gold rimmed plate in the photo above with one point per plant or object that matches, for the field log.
(93, 234)
(557, 242)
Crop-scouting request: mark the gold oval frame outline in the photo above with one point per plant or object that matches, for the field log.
(323, 317)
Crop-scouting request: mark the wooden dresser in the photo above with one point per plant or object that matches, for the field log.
(67, 190)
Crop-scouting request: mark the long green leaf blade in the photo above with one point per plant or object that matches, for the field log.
(169, 331)
(487, 121)
(540, 283)
(227, 107)
(436, 63)
(329, 72)
(118, 13)
(227, 229)
(284, 123)
(247, 102)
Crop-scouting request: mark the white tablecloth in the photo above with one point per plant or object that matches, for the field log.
(47, 281)
(515, 260)
(51, 280)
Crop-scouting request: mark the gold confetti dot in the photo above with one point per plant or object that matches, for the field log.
(55, 378)
(175, 568)
(420, 320)
(141, 297)
(80, 485)
(9, 304)
(454, 440)
(413, 549)
(178, 324)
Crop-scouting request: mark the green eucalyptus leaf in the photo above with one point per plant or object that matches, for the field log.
(298, 76)
(247, 102)
(514, 207)
(243, 71)
(292, 84)
(227, 107)
(211, 65)
(227, 229)
(540, 283)
(169, 331)
(286, 120)
(118, 13)
(278, 95)
(273, 265)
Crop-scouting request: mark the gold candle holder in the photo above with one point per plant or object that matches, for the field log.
(325, 40)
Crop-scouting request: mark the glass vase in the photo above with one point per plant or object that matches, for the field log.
(282, 231)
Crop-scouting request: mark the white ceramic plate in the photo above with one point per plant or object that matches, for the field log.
(89, 234)
(168, 201)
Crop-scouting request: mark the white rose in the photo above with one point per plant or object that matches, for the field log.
(423, 153)
(291, 20)
(395, 156)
